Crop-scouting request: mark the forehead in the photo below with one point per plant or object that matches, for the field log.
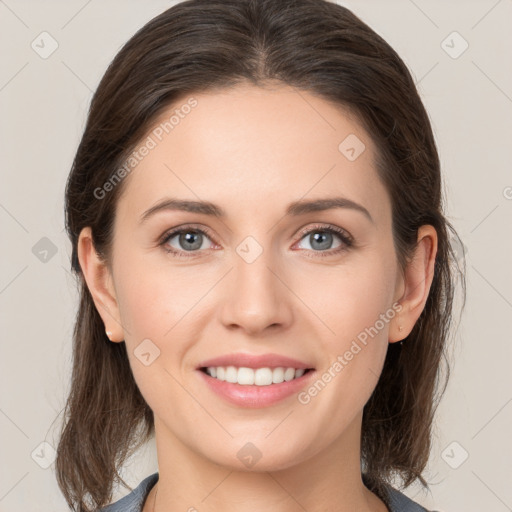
(246, 147)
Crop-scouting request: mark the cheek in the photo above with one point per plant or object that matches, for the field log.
(164, 304)
(347, 299)
(353, 347)
(360, 315)
(154, 317)
(153, 298)
(354, 313)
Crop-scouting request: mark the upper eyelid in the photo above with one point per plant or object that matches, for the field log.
(190, 227)
(327, 227)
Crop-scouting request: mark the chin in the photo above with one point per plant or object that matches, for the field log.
(259, 455)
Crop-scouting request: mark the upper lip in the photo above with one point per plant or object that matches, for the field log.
(255, 361)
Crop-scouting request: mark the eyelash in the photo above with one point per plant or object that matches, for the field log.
(322, 228)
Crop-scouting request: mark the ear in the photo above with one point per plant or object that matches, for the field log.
(100, 283)
(416, 283)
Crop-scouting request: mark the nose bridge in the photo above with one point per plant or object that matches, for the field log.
(257, 297)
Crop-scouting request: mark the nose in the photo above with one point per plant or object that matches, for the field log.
(257, 297)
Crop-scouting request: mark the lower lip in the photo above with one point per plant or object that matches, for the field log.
(255, 396)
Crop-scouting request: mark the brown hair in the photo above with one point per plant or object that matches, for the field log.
(202, 45)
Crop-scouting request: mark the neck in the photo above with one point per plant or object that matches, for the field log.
(330, 480)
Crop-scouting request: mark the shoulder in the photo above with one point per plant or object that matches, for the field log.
(134, 501)
(399, 502)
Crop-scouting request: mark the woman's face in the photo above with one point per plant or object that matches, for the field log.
(261, 280)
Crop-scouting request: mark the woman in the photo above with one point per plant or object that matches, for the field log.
(257, 226)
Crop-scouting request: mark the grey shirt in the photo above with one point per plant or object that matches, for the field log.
(134, 501)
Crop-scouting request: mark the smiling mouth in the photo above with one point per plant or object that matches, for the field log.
(255, 376)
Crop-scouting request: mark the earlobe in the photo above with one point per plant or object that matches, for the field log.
(99, 282)
(418, 277)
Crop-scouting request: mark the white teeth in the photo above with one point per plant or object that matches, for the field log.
(245, 376)
(231, 374)
(278, 375)
(249, 376)
(289, 374)
(262, 377)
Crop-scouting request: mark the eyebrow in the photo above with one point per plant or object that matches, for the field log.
(295, 209)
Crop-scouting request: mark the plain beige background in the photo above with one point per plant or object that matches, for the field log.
(44, 101)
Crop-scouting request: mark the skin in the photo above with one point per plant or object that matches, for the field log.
(252, 151)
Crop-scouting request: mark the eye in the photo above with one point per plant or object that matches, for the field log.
(192, 240)
(188, 239)
(320, 239)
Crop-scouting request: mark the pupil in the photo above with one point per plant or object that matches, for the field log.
(317, 238)
(188, 238)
